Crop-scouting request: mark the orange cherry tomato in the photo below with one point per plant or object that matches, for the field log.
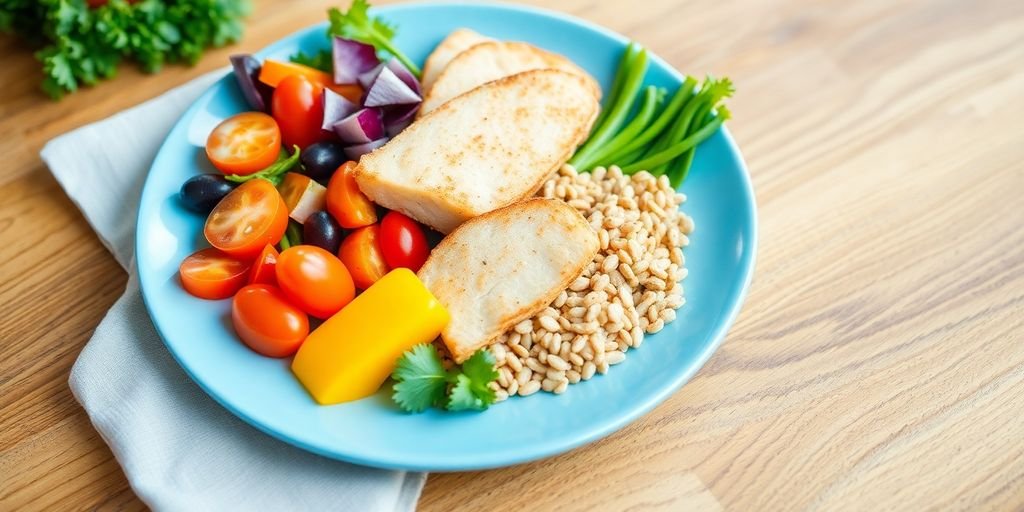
(245, 143)
(346, 203)
(403, 242)
(360, 252)
(314, 280)
(267, 322)
(298, 107)
(248, 219)
(212, 274)
(262, 271)
(274, 72)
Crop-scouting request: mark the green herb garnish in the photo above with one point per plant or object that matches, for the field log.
(272, 173)
(81, 45)
(358, 25)
(322, 60)
(421, 381)
(471, 389)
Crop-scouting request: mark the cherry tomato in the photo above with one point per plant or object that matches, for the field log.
(346, 203)
(403, 242)
(244, 143)
(361, 254)
(314, 280)
(267, 322)
(212, 274)
(262, 271)
(298, 107)
(248, 219)
(274, 72)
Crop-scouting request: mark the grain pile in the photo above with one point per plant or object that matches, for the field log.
(632, 287)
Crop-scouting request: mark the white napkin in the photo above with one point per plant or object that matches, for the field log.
(179, 448)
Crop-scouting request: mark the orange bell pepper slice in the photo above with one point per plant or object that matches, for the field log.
(274, 71)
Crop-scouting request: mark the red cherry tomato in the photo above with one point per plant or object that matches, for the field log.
(403, 242)
(298, 108)
(346, 203)
(267, 322)
(212, 274)
(263, 268)
(314, 280)
(248, 219)
(361, 254)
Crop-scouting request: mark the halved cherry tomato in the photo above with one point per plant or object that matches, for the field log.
(262, 271)
(244, 143)
(403, 242)
(267, 322)
(346, 203)
(212, 274)
(275, 71)
(248, 219)
(361, 254)
(298, 107)
(314, 280)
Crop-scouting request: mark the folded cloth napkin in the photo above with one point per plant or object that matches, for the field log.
(179, 449)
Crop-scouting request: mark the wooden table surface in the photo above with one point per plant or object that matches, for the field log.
(878, 362)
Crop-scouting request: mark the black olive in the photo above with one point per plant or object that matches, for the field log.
(321, 230)
(320, 160)
(201, 193)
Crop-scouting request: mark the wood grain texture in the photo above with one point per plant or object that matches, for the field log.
(878, 363)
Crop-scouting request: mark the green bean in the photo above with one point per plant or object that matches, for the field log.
(680, 167)
(667, 155)
(620, 154)
(620, 76)
(631, 157)
(643, 117)
(682, 124)
(677, 175)
(617, 116)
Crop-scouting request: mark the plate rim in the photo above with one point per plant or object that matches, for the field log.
(716, 336)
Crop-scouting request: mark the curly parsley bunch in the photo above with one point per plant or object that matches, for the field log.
(84, 41)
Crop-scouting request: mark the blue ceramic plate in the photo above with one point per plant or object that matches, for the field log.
(263, 392)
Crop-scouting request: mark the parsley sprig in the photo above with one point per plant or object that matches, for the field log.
(80, 45)
(421, 381)
(358, 25)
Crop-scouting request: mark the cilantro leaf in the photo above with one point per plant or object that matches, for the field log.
(358, 25)
(274, 172)
(462, 396)
(481, 372)
(472, 387)
(321, 60)
(421, 379)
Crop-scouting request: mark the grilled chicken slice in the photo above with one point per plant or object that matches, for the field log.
(483, 150)
(489, 61)
(457, 42)
(504, 267)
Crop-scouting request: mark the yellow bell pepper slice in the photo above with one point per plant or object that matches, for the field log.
(351, 354)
